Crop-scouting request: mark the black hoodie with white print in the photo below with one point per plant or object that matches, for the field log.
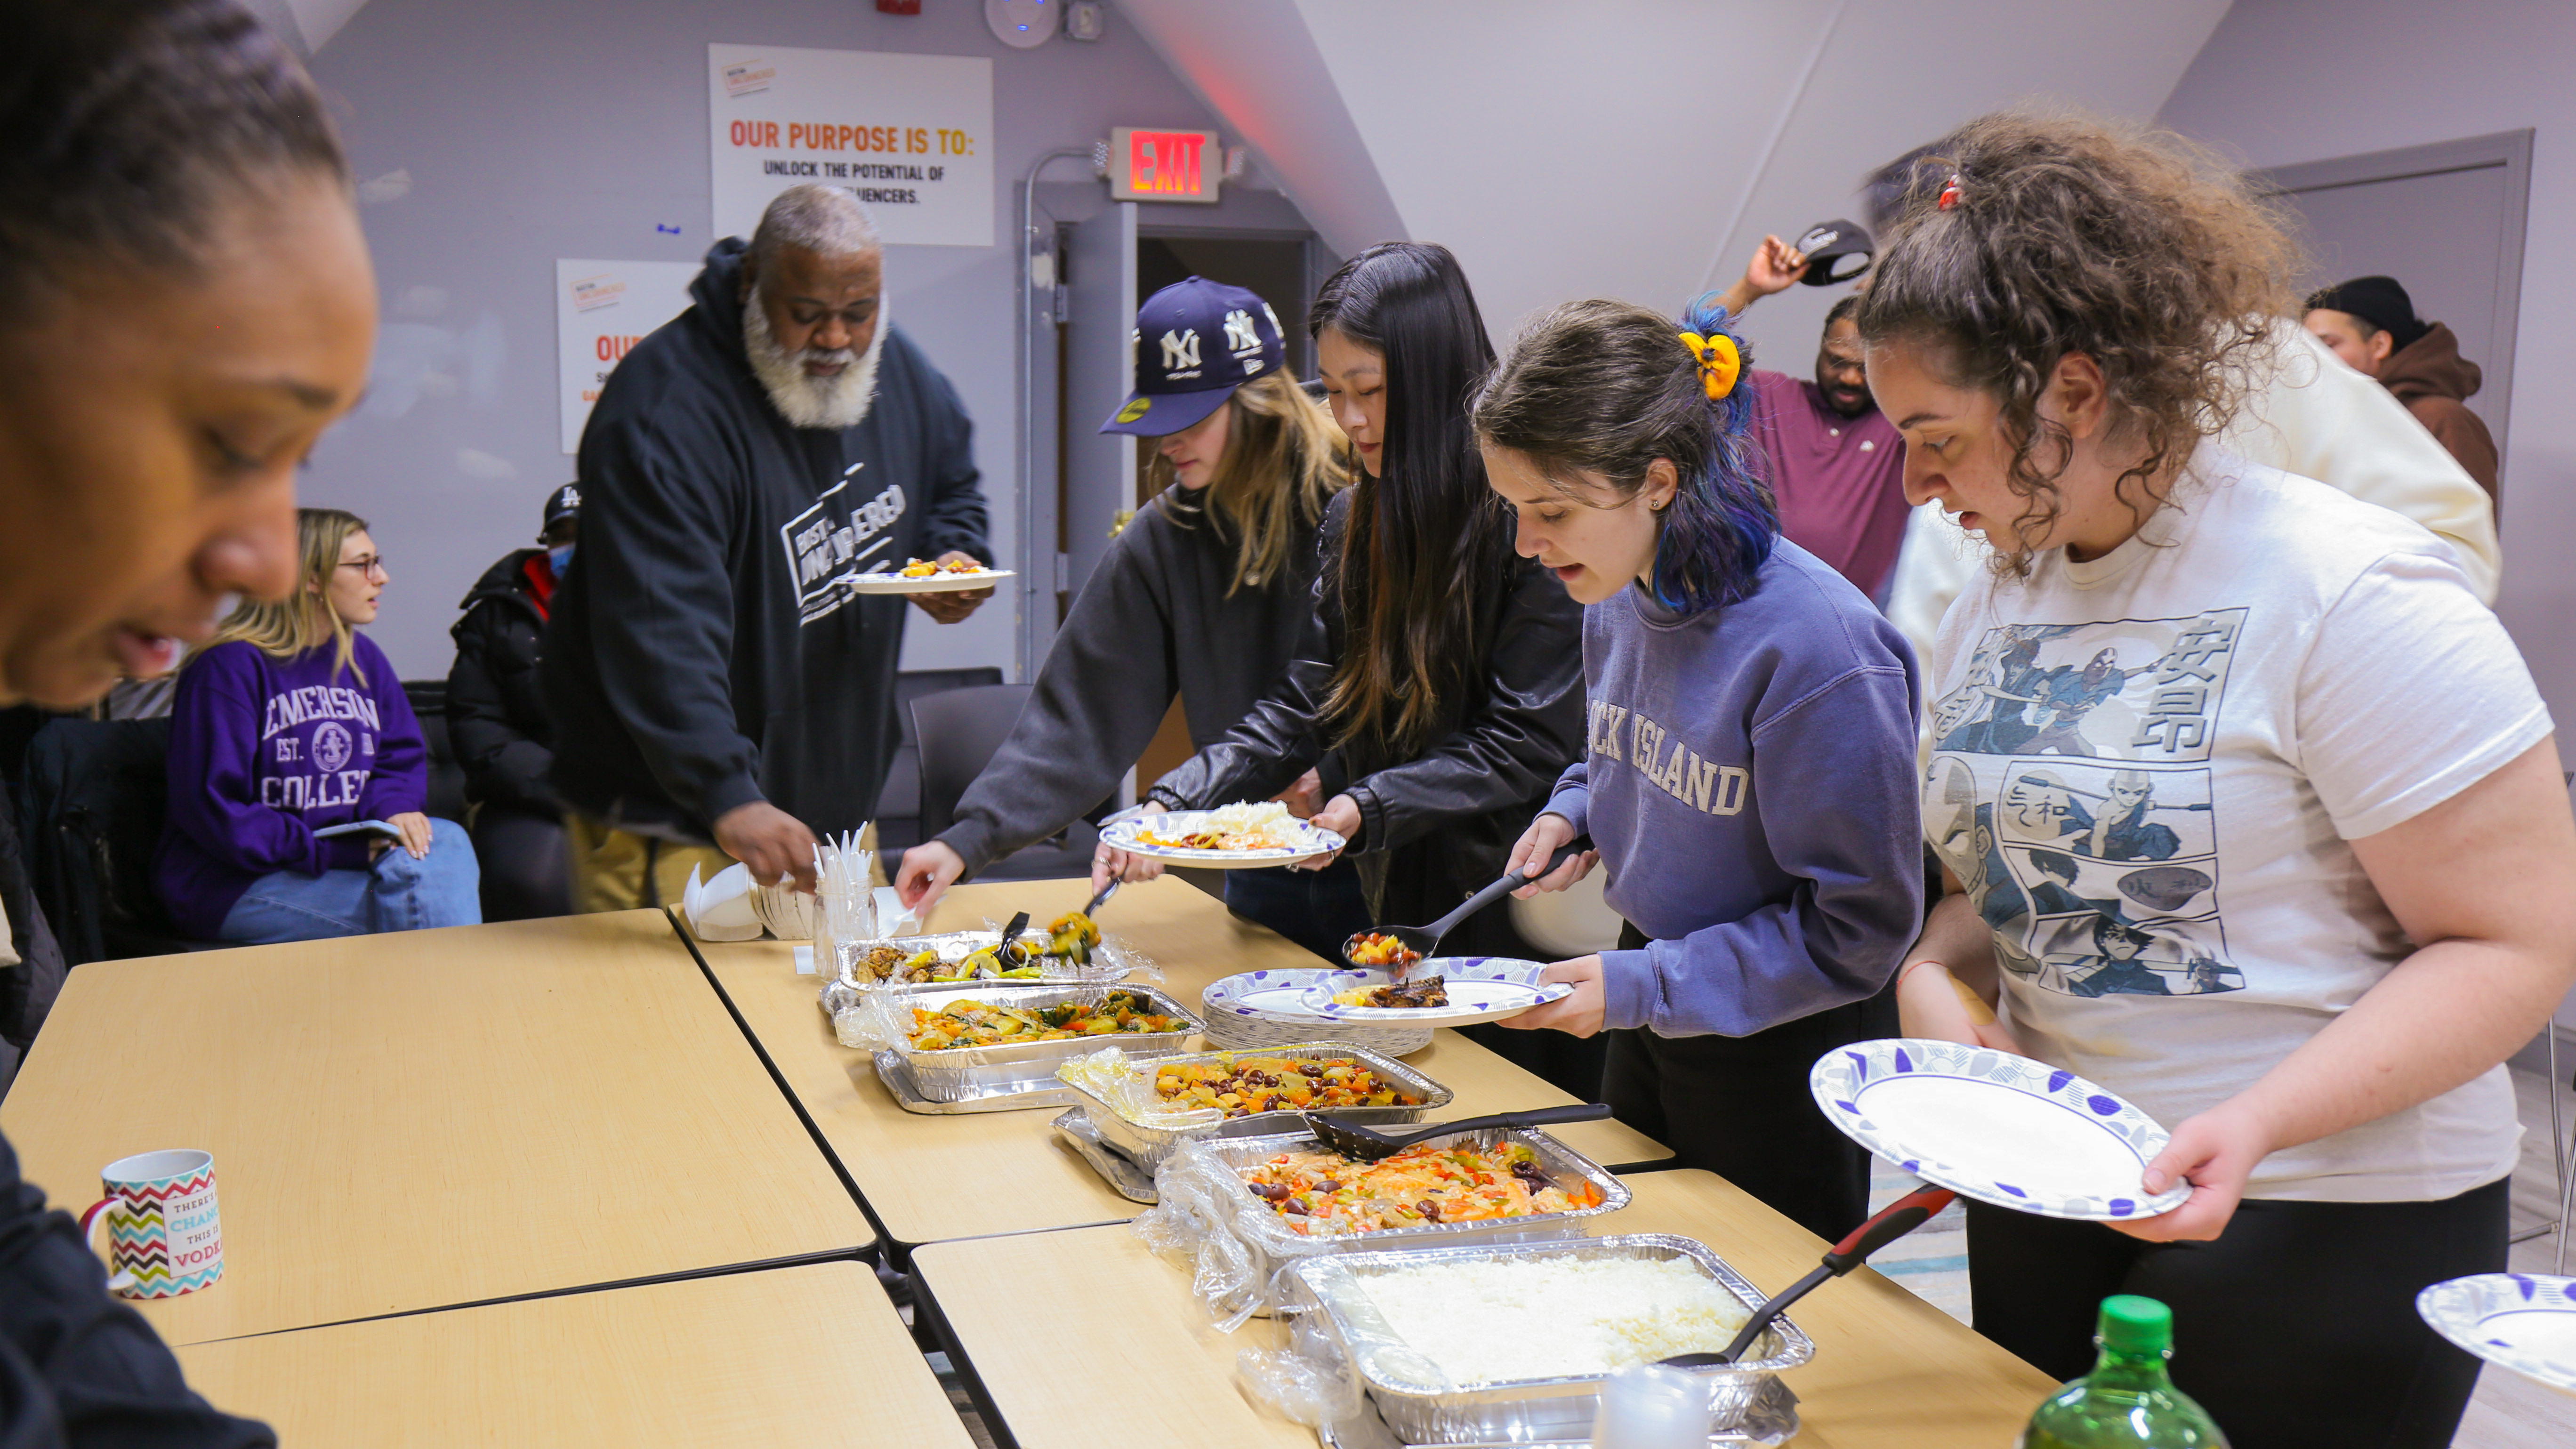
(706, 649)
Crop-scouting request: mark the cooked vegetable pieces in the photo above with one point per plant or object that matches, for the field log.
(1325, 1192)
(969, 1023)
(1275, 1084)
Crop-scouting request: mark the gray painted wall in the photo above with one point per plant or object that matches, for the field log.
(529, 132)
(2405, 75)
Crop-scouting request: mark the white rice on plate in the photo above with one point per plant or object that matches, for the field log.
(1500, 1321)
(1262, 817)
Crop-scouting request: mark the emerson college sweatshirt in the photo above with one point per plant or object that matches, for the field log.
(265, 751)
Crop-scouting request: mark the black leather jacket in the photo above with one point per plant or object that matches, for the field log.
(1442, 821)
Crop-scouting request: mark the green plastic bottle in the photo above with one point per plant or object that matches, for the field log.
(2128, 1399)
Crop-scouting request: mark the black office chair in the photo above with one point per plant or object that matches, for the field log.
(958, 732)
(899, 801)
(95, 795)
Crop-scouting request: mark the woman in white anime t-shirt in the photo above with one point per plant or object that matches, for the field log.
(2247, 800)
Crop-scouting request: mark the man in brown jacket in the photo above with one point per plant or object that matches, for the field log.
(2370, 323)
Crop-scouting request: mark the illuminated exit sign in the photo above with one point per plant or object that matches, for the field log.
(1164, 165)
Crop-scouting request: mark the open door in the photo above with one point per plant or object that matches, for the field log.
(1099, 474)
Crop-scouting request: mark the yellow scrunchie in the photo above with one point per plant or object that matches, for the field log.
(1719, 362)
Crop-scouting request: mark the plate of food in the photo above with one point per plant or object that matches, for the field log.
(1231, 837)
(1276, 995)
(2523, 1321)
(2000, 1128)
(928, 576)
(1442, 991)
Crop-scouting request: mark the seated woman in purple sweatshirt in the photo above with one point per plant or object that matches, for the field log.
(297, 772)
(1749, 765)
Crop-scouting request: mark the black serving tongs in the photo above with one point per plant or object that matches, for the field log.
(1367, 1144)
(1426, 939)
(1889, 1224)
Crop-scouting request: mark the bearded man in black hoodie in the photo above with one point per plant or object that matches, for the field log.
(713, 675)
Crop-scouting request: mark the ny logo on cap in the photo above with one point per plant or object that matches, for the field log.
(1240, 335)
(1181, 351)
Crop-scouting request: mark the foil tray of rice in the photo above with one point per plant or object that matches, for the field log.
(1511, 1342)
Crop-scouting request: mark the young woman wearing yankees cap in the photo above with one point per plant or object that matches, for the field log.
(1440, 688)
(1202, 595)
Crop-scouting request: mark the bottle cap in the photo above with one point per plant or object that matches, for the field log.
(2132, 1324)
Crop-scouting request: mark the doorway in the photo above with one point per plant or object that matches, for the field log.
(2446, 221)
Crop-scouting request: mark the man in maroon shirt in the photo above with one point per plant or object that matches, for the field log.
(1837, 464)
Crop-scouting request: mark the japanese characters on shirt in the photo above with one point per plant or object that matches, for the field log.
(2092, 852)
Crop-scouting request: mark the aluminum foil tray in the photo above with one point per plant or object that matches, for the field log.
(899, 1085)
(960, 1073)
(1267, 1236)
(1147, 1147)
(1129, 1180)
(1109, 960)
(1748, 1401)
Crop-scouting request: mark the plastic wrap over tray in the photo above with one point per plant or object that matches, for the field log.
(1238, 1243)
(1149, 1147)
(1423, 1405)
(958, 1073)
(1111, 960)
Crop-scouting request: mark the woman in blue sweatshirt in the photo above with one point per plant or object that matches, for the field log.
(288, 729)
(1748, 771)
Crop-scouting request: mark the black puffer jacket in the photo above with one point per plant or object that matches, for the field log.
(496, 715)
(1435, 827)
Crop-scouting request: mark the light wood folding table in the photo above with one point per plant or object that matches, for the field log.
(933, 1177)
(807, 1355)
(1890, 1372)
(432, 1118)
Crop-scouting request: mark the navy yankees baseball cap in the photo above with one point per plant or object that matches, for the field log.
(1196, 342)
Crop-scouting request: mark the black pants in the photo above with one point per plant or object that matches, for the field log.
(1317, 909)
(2296, 1326)
(1739, 1106)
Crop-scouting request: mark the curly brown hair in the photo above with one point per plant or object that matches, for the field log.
(2070, 234)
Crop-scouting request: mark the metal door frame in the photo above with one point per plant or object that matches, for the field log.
(2510, 150)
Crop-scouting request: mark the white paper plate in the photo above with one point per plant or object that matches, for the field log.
(1122, 835)
(2523, 1321)
(1276, 996)
(1999, 1128)
(1481, 988)
(892, 582)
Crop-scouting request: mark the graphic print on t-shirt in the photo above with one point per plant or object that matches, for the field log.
(828, 545)
(2069, 792)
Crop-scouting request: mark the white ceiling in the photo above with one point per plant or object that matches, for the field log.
(1634, 148)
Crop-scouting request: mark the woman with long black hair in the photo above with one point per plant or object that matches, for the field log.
(1440, 689)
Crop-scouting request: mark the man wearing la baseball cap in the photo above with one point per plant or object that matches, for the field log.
(1196, 342)
(1203, 595)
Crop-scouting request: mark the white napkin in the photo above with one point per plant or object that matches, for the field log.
(722, 909)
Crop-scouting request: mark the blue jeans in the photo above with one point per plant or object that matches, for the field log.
(397, 893)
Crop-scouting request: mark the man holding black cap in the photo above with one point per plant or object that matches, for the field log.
(1204, 594)
(2370, 323)
(497, 723)
(1837, 464)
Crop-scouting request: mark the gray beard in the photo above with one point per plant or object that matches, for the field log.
(839, 401)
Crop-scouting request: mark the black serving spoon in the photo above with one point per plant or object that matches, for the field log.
(1889, 1224)
(1425, 940)
(1367, 1144)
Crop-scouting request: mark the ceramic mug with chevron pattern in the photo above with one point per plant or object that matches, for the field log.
(163, 1238)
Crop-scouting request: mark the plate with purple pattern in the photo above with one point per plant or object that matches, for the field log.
(1479, 988)
(2000, 1128)
(1265, 995)
(2523, 1321)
